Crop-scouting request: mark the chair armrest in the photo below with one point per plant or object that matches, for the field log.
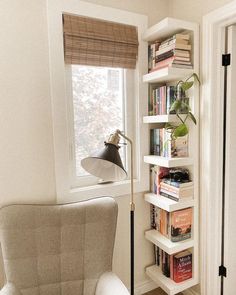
(10, 289)
(110, 284)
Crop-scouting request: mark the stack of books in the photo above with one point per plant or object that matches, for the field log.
(162, 145)
(177, 267)
(175, 190)
(162, 182)
(175, 225)
(175, 52)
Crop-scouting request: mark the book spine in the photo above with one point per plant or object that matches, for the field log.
(164, 99)
(181, 185)
(169, 196)
(152, 217)
(163, 190)
(171, 266)
(175, 46)
(181, 237)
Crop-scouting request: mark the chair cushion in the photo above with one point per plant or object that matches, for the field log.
(58, 249)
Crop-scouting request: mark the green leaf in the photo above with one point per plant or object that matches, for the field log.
(192, 118)
(185, 106)
(180, 131)
(186, 85)
(176, 106)
(166, 143)
(169, 126)
(196, 78)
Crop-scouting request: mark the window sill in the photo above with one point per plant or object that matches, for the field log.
(115, 189)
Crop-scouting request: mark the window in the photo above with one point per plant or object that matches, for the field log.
(72, 183)
(98, 109)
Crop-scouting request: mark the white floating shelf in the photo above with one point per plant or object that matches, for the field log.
(167, 74)
(168, 204)
(160, 119)
(167, 27)
(168, 285)
(165, 244)
(168, 162)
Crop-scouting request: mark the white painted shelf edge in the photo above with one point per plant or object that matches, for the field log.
(167, 74)
(160, 119)
(168, 162)
(165, 244)
(168, 204)
(168, 26)
(168, 285)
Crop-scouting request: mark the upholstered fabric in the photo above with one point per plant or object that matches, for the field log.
(9, 289)
(58, 249)
(110, 284)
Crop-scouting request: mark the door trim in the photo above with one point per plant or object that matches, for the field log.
(211, 152)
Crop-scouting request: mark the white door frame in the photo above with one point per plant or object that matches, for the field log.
(211, 103)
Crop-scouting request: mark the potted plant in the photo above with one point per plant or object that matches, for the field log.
(181, 108)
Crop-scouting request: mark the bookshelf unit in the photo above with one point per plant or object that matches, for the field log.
(170, 75)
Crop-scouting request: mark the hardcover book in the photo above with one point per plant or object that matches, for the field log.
(182, 266)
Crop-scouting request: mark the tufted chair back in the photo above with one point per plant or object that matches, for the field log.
(58, 249)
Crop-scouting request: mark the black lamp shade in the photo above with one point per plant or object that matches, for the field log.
(106, 165)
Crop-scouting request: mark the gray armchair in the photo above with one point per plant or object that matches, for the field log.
(60, 249)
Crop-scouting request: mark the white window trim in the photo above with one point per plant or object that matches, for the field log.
(60, 106)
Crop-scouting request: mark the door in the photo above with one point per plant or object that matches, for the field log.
(229, 285)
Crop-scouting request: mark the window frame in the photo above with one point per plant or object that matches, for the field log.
(61, 112)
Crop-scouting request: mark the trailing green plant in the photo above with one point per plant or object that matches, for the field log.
(181, 108)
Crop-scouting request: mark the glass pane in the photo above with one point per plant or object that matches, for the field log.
(98, 98)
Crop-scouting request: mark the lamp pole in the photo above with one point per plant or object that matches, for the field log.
(132, 209)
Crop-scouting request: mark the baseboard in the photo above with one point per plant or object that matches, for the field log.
(145, 287)
(190, 292)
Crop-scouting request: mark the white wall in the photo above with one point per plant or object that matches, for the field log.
(26, 148)
(26, 145)
(155, 9)
(193, 10)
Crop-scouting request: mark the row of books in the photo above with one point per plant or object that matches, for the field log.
(174, 51)
(175, 225)
(162, 145)
(160, 100)
(173, 183)
(177, 267)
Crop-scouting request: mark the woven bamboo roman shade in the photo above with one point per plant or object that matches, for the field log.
(90, 41)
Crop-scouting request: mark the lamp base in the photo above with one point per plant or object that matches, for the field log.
(132, 252)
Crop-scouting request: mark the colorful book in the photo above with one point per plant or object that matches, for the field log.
(182, 266)
(181, 224)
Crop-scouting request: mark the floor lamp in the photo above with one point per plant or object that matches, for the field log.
(108, 166)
